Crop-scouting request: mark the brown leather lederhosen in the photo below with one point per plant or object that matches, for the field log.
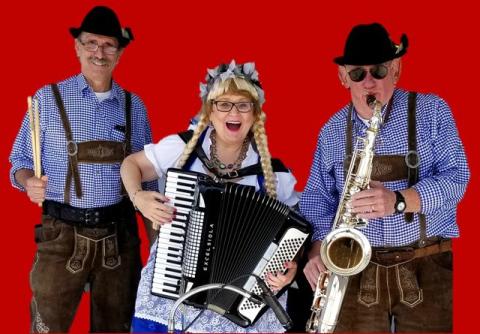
(99, 151)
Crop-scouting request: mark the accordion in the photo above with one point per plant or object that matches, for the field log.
(223, 233)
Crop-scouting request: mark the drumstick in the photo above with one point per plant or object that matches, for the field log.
(35, 136)
(38, 165)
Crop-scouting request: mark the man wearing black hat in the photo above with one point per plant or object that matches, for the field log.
(88, 236)
(419, 174)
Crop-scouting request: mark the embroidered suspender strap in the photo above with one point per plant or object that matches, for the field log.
(72, 149)
(412, 159)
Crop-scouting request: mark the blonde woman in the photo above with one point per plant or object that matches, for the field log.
(231, 133)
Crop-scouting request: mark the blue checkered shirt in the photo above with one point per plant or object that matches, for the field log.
(89, 120)
(443, 171)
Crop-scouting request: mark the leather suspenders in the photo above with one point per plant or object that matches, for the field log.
(394, 167)
(100, 151)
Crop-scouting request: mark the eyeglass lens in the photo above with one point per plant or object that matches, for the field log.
(226, 106)
(93, 46)
(359, 74)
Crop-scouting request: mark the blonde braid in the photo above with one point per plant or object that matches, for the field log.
(265, 157)
(202, 124)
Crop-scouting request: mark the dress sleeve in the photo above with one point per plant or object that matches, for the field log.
(165, 153)
(286, 188)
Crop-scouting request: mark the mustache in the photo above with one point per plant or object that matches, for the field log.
(98, 61)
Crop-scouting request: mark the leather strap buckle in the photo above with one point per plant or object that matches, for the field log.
(412, 159)
(72, 148)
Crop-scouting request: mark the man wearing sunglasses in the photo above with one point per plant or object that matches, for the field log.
(88, 232)
(419, 175)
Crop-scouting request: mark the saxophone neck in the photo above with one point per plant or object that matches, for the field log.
(376, 106)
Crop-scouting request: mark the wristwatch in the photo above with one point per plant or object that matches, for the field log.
(400, 204)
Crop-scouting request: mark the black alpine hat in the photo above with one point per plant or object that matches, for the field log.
(102, 20)
(369, 44)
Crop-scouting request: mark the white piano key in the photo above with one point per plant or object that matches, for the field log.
(171, 295)
(167, 272)
(159, 278)
(170, 228)
(179, 195)
(179, 224)
(169, 238)
(165, 288)
(174, 245)
(176, 201)
(180, 217)
(172, 187)
(166, 248)
(181, 175)
(168, 264)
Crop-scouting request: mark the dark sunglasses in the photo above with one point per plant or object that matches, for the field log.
(378, 72)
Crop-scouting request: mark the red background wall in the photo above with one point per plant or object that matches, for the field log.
(292, 44)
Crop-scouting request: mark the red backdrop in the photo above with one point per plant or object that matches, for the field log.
(292, 44)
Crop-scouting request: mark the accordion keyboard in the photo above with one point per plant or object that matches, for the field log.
(180, 188)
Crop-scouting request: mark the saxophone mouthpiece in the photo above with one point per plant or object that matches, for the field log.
(371, 100)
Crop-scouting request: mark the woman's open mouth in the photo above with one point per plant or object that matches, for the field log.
(233, 125)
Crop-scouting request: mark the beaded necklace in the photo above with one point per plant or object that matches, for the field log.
(220, 166)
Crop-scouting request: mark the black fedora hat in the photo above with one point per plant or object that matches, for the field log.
(102, 20)
(369, 44)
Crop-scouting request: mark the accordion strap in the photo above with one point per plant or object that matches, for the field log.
(198, 152)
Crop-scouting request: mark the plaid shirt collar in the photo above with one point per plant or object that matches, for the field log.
(85, 88)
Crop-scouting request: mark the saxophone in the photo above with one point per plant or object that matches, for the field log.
(345, 251)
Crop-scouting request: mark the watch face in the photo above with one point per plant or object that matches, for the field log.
(401, 206)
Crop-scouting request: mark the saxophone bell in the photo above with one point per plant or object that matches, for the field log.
(346, 251)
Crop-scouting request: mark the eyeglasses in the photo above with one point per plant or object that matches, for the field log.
(226, 106)
(93, 46)
(378, 72)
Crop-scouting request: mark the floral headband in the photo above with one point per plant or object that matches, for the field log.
(223, 72)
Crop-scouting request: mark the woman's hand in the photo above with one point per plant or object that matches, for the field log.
(155, 207)
(278, 281)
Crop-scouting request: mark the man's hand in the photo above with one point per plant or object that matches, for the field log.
(35, 188)
(375, 202)
(314, 266)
